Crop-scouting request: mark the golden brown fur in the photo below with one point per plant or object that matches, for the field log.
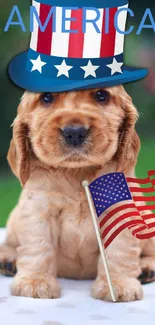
(50, 231)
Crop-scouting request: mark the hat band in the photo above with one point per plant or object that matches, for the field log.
(73, 69)
(85, 3)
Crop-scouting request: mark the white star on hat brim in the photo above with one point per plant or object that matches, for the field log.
(63, 69)
(90, 69)
(37, 64)
(115, 67)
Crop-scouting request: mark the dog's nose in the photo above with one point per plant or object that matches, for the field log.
(75, 135)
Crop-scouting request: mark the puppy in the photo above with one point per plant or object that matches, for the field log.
(59, 140)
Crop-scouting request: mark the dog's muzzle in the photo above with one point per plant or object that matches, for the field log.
(75, 135)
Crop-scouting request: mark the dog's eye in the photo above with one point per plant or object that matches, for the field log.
(47, 98)
(101, 96)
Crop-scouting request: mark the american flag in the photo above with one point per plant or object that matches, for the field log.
(120, 203)
(78, 45)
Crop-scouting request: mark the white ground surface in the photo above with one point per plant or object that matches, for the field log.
(75, 307)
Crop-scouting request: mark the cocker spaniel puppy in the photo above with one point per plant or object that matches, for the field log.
(59, 140)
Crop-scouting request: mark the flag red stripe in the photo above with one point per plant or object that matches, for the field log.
(141, 190)
(45, 38)
(131, 226)
(76, 40)
(144, 198)
(148, 226)
(138, 180)
(151, 173)
(146, 236)
(116, 210)
(139, 230)
(151, 225)
(143, 180)
(108, 40)
(121, 218)
(149, 216)
(146, 207)
(117, 232)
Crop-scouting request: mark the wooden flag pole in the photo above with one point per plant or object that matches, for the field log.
(85, 184)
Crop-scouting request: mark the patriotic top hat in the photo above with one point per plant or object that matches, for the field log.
(58, 61)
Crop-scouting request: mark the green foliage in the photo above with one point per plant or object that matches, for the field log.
(9, 193)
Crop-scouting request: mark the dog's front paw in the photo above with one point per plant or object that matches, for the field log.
(45, 287)
(147, 264)
(127, 289)
(7, 260)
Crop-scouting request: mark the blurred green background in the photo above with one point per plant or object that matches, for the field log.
(139, 51)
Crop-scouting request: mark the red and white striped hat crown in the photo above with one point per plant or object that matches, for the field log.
(79, 45)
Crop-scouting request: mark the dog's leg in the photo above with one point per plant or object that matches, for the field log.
(37, 254)
(147, 261)
(8, 250)
(123, 260)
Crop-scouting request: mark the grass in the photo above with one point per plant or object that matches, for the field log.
(10, 187)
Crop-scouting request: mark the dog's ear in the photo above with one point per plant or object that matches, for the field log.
(129, 142)
(19, 151)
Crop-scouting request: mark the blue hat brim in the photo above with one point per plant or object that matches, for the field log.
(36, 82)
